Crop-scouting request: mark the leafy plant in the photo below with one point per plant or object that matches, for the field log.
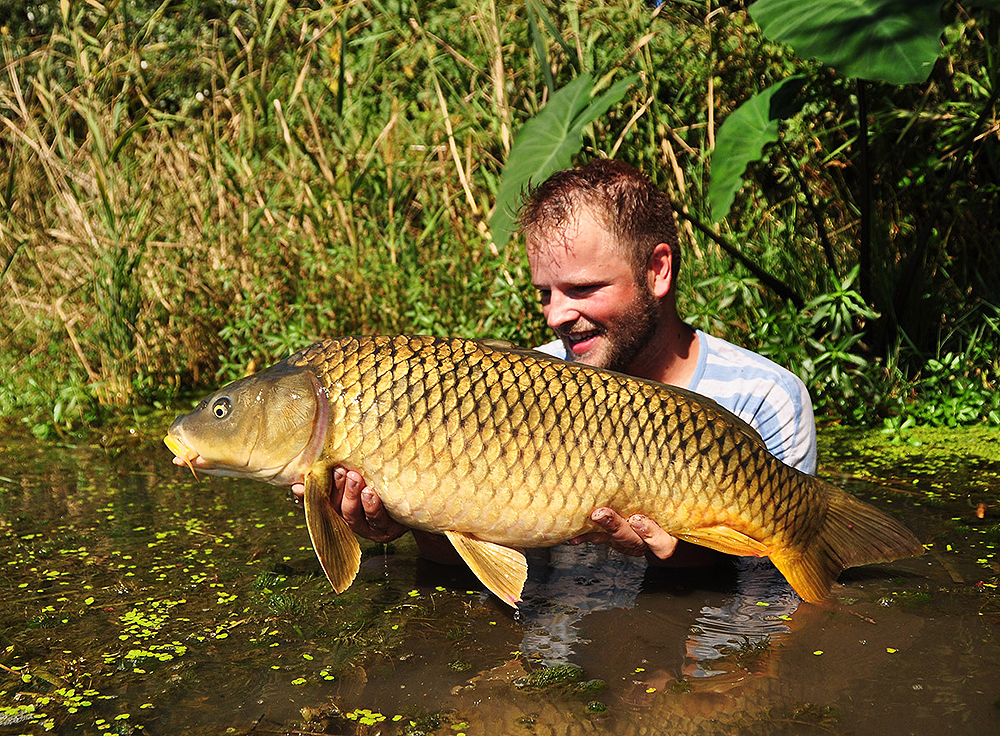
(893, 41)
(743, 137)
(548, 142)
(890, 42)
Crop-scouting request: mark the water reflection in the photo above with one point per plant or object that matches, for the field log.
(566, 583)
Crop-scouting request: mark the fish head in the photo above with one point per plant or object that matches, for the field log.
(269, 426)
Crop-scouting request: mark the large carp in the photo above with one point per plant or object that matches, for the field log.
(501, 448)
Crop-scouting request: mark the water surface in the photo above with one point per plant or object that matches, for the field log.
(134, 599)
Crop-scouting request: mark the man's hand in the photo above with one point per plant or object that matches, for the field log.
(638, 535)
(360, 506)
(364, 513)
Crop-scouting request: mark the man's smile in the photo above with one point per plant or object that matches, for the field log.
(582, 342)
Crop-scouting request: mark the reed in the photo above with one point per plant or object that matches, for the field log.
(193, 190)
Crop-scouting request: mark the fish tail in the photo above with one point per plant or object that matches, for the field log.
(853, 533)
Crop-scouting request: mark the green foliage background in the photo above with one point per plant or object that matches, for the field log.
(192, 190)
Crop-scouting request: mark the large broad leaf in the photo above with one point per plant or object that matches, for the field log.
(743, 136)
(547, 143)
(894, 41)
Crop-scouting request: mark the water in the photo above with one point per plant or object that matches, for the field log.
(137, 600)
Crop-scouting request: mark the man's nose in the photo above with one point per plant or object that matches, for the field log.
(560, 310)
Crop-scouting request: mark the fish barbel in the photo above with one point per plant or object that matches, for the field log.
(501, 448)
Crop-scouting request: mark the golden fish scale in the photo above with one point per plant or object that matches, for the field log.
(517, 448)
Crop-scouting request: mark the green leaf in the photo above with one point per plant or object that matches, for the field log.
(538, 44)
(547, 143)
(742, 137)
(894, 41)
(568, 49)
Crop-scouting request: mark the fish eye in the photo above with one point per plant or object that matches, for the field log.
(221, 408)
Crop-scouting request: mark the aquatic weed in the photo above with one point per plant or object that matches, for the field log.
(286, 604)
(590, 687)
(268, 580)
(817, 715)
(559, 674)
(46, 707)
(750, 653)
(424, 725)
(912, 598)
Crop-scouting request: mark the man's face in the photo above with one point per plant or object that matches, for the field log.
(589, 295)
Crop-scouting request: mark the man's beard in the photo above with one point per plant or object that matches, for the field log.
(623, 339)
(632, 333)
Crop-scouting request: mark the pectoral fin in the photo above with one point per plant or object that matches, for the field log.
(724, 539)
(338, 551)
(502, 569)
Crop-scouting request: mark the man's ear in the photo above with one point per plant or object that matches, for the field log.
(660, 270)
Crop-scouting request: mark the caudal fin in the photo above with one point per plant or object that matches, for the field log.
(853, 533)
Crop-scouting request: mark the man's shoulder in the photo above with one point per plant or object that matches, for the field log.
(771, 398)
(727, 362)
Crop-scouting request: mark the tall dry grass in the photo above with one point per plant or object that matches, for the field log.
(189, 190)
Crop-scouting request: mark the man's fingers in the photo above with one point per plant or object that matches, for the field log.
(374, 511)
(641, 526)
(339, 481)
(369, 517)
(637, 535)
(621, 536)
(354, 484)
(350, 500)
(658, 543)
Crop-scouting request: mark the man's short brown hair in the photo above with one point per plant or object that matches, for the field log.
(624, 201)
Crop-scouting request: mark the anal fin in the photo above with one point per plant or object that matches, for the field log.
(336, 547)
(724, 539)
(501, 569)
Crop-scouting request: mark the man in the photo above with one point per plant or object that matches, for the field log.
(604, 255)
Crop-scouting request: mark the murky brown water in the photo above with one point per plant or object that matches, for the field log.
(136, 600)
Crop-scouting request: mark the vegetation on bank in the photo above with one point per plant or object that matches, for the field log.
(192, 190)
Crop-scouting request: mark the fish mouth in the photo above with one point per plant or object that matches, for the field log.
(183, 455)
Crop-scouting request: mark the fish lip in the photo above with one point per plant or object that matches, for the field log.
(176, 446)
(183, 454)
(186, 455)
(191, 458)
